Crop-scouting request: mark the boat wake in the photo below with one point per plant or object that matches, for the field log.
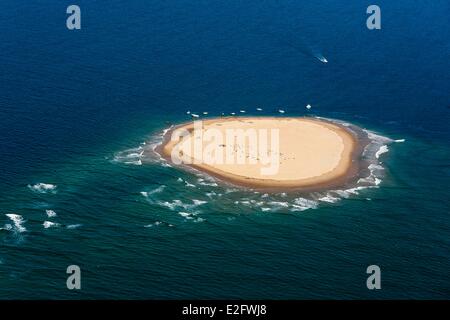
(321, 58)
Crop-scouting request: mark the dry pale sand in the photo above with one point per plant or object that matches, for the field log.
(311, 153)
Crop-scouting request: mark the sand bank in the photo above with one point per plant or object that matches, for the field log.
(309, 153)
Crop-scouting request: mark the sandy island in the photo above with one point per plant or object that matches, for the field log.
(312, 153)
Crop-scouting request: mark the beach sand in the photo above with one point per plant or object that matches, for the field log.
(311, 153)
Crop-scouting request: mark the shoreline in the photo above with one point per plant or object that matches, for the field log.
(345, 171)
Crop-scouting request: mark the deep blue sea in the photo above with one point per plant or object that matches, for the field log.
(75, 106)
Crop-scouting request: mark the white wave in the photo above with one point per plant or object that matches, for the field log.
(190, 185)
(329, 199)
(50, 213)
(198, 202)
(172, 205)
(43, 188)
(186, 215)
(145, 152)
(191, 216)
(49, 224)
(136, 162)
(135, 155)
(130, 156)
(279, 204)
(157, 190)
(351, 191)
(258, 203)
(74, 226)
(369, 180)
(399, 140)
(166, 130)
(154, 191)
(305, 204)
(176, 204)
(209, 183)
(383, 149)
(7, 227)
(210, 194)
(295, 207)
(375, 175)
(374, 166)
(156, 223)
(17, 223)
(245, 202)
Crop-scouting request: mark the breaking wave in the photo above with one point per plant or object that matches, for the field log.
(17, 223)
(49, 224)
(144, 153)
(43, 188)
(154, 191)
(158, 223)
(74, 226)
(50, 213)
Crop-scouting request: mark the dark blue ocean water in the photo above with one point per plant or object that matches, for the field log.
(71, 101)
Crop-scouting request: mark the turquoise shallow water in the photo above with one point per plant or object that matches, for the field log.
(73, 104)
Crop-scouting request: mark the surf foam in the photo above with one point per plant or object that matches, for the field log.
(50, 213)
(17, 221)
(43, 188)
(49, 224)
